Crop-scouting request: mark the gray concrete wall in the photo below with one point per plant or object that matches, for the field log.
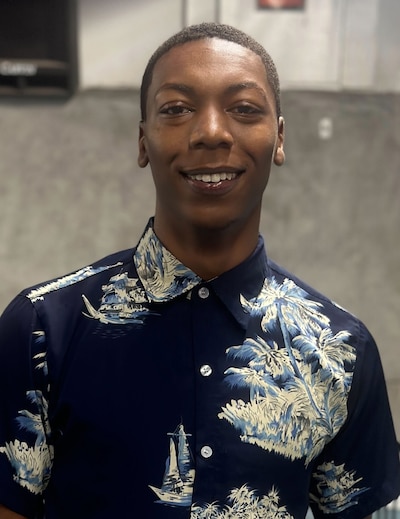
(71, 192)
(331, 45)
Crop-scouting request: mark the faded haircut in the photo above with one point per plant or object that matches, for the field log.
(211, 30)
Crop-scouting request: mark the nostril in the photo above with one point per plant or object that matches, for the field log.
(211, 138)
(211, 129)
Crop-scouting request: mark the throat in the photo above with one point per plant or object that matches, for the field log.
(207, 251)
(212, 256)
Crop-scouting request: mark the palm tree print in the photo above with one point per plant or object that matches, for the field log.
(32, 464)
(297, 393)
(243, 503)
(163, 275)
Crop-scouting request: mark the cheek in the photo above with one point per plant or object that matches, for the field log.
(162, 146)
(157, 153)
(260, 141)
(263, 151)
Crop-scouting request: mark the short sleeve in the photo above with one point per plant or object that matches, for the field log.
(25, 453)
(358, 471)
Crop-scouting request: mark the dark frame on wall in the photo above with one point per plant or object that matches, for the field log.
(281, 4)
(38, 48)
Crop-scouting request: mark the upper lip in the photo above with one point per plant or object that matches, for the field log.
(210, 170)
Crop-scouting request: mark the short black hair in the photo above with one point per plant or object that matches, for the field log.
(211, 30)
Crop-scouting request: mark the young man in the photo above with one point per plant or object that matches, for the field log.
(191, 376)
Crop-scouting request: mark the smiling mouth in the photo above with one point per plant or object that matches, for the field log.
(212, 176)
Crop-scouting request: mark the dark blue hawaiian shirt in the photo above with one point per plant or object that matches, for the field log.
(133, 388)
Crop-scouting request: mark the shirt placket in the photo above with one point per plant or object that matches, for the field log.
(211, 336)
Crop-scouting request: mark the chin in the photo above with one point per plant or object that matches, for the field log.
(217, 224)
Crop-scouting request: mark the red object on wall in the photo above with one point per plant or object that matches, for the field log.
(281, 4)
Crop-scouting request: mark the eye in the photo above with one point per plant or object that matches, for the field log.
(175, 109)
(246, 109)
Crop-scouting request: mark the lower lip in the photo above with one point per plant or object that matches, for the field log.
(212, 188)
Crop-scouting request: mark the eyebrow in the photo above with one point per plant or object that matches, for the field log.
(246, 85)
(231, 89)
(179, 87)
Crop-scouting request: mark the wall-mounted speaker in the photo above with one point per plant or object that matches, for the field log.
(38, 48)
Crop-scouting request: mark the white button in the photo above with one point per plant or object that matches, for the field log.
(206, 451)
(206, 370)
(204, 292)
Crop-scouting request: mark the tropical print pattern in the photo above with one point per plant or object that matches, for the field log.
(336, 487)
(161, 277)
(39, 293)
(123, 302)
(298, 393)
(293, 371)
(31, 462)
(177, 484)
(243, 503)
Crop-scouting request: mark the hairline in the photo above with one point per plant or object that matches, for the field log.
(174, 41)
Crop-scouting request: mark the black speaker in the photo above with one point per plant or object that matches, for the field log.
(38, 48)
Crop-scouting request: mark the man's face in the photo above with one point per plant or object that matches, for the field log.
(210, 136)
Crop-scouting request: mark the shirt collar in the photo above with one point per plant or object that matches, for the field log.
(245, 280)
(164, 277)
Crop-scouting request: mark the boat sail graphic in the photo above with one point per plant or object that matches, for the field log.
(177, 484)
(123, 302)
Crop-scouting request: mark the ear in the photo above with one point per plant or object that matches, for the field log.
(279, 157)
(143, 158)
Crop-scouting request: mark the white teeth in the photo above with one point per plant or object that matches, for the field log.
(214, 177)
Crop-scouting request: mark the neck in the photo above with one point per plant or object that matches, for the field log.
(208, 252)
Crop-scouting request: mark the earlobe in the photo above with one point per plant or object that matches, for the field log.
(279, 157)
(143, 159)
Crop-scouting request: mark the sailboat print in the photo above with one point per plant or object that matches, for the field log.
(177, 484)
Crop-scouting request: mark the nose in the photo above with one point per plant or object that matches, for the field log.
(210, 129)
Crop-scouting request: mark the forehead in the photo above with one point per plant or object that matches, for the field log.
(209, 59)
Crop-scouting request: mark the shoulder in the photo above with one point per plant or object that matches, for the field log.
(62, 296)
(281, 274)
(55, 307)
(87, 277)
(339, 318)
